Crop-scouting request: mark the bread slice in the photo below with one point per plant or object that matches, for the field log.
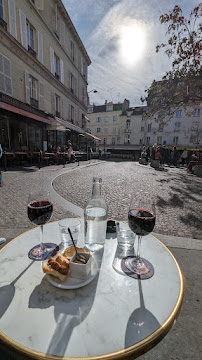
(48, 270)
(69, 251)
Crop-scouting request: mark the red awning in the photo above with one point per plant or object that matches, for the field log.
(93, 136)
(24, 113)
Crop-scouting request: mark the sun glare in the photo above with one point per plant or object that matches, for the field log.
(132, 44)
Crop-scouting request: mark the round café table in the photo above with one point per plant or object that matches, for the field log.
(113, 317)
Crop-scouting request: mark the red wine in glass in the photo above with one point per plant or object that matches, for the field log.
(39, 211)
(141, 220)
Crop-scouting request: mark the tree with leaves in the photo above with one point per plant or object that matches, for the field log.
(182, 85)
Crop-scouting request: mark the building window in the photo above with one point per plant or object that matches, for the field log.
(98, 129)
(5, 75)
(33, 83)
(30, 36)
(175, 140)
(109, 107)
(140, 141)
(106, 119)
(142, 128)
(149, 127)
(72, 114)
(72, 50)
(196, 112)
(57, 66)
(128, 124)
(160, 127)
(148, 140)
(90, 110)
(178, 113)
(115, 118)
(113, 141)
(159, 140)
(177, 126)
(57, 105)
(114, 130)
(98, 119)
(1, 9)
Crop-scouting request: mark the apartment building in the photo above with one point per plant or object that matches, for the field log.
(182, 130)
(43, 76)
(105, 122)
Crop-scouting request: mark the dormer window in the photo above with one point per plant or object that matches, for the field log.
(109, 107)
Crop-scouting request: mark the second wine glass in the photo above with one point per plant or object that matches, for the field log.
(141, 219)
(39, 211)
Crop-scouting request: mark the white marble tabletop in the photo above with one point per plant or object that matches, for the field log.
(112, 317)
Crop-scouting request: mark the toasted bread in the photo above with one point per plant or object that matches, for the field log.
(69, 251)
(58, 267)
(48, 270)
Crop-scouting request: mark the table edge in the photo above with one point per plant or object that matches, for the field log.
(131, 352)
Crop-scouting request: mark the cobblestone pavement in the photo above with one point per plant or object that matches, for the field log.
(178, 195)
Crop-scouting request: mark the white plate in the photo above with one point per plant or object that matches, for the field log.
(73, 283)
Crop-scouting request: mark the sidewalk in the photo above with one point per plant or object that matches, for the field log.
(184, 339)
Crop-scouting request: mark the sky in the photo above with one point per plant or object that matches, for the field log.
(120, 37)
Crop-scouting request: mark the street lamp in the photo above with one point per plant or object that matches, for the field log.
(94, 90)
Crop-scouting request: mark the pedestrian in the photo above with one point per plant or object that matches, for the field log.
(174, 156)
(184, 157)
(154, 148)
(197, 160)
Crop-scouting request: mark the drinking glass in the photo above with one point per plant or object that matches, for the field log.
(39, 211)
(141, 220)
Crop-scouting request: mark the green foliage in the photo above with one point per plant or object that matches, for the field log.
(182, 86)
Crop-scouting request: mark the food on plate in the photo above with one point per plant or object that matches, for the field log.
(58, 267)
(70, 251)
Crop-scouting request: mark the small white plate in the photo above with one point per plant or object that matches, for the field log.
(73, 283)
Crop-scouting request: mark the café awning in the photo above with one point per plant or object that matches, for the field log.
(62, 125)
(28, 114)
(93, 136)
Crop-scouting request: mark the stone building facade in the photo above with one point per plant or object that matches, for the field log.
(43, 75)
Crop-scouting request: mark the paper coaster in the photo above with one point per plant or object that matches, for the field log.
(50, 250)
(148, 270)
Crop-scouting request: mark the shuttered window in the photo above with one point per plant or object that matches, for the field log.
(23, 29)
(12, 18)
(5, 75)
(40, 47)
(41, 95)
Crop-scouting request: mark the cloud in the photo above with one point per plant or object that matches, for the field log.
(120, 37)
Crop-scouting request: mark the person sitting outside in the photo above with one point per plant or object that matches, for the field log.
(196, 160)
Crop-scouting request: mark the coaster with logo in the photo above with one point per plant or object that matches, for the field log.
(49, 251)
(146, 272)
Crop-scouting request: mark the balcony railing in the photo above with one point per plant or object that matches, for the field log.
(127, 131)
(57, 114)
(31, 51)
(34, 102)
(3, 24)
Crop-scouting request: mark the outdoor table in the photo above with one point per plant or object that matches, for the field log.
(113, 317)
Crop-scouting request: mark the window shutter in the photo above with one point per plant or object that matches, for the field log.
(62, 109)
(52, 60)
(40, 47)
(2, 83)
(39, 4)
(7, 75)
(62, 32)
(52, 103)
(61, 71)
(12, 18)
(27, 89)
(75, 86)
(23, 28)
(69, 112)
(41, 95)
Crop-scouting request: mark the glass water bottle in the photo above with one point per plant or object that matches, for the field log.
(95, 218)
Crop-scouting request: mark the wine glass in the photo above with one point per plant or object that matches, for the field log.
(39, 211)
(141, 220)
